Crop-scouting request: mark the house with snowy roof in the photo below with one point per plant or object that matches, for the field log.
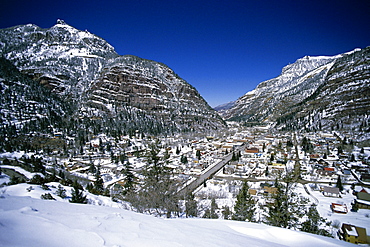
(352, 234)
(363, 199)
(330, 191)
(339, 208)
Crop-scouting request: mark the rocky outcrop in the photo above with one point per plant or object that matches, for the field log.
(152, 88)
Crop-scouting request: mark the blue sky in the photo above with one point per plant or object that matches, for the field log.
(223, 48)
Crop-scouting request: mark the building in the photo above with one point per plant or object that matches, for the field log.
(363, 199)
(339, 208)
(330, 191)
(352, 234)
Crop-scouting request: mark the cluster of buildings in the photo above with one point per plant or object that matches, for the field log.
(265, 154)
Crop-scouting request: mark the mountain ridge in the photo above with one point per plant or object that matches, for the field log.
(302, 96)
(75, 64)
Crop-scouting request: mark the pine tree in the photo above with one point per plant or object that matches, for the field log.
(307, 145)
(191, 208)
(98, 183)
(339, 184)
(226, 212)
(129, 178)
(47, 196)
(234, 157)
(286, 208)
(61, 192)
(184, 159)
(166, 155)
(314, 222)
(353, 159)
(77, 195)
(210, 213)
(214, 207)
(92, 168)
(158, 192)
(244, 208)
(198, 154)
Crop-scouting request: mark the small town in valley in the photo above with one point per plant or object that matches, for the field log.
(325, 171)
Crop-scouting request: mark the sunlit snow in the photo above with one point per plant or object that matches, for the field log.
(27, 221)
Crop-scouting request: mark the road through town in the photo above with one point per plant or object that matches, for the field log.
(208, 173)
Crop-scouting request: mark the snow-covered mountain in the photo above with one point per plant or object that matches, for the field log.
(27, 221)
(224, 107)
(62, 58)
(87, 73)
(312, 93)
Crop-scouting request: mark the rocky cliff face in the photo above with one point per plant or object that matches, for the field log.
(87, 72)
(61, 58)
(154, 90)
(312, 93)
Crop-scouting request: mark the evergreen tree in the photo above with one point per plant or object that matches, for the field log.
(90, 187)
(210, 213)
(267, 171)
(61, 192)
(77, 185)
(286, 208)
(37, 179)
(339, 184)
(272, 157)
(314, 222)
(15, 180)
(340, 150)
(130, 178)
(214, 207)
(191, 208)
(157, 194)
(233, 158)
(166, 155)
(353, 159)
(226, 212)
(92, 168)
(289, 143)
(198, 154)
(98, 183)
(47, 196)
(184, 159)
(354, 207)
(307, 145)
(244, 208)
(77, 195)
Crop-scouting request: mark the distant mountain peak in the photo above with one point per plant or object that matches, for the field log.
(61, 22)
(313, 93)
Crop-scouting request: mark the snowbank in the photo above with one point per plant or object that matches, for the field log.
(26, 221)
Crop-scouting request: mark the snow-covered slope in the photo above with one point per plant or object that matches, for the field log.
(26, 221)
(312, 93)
